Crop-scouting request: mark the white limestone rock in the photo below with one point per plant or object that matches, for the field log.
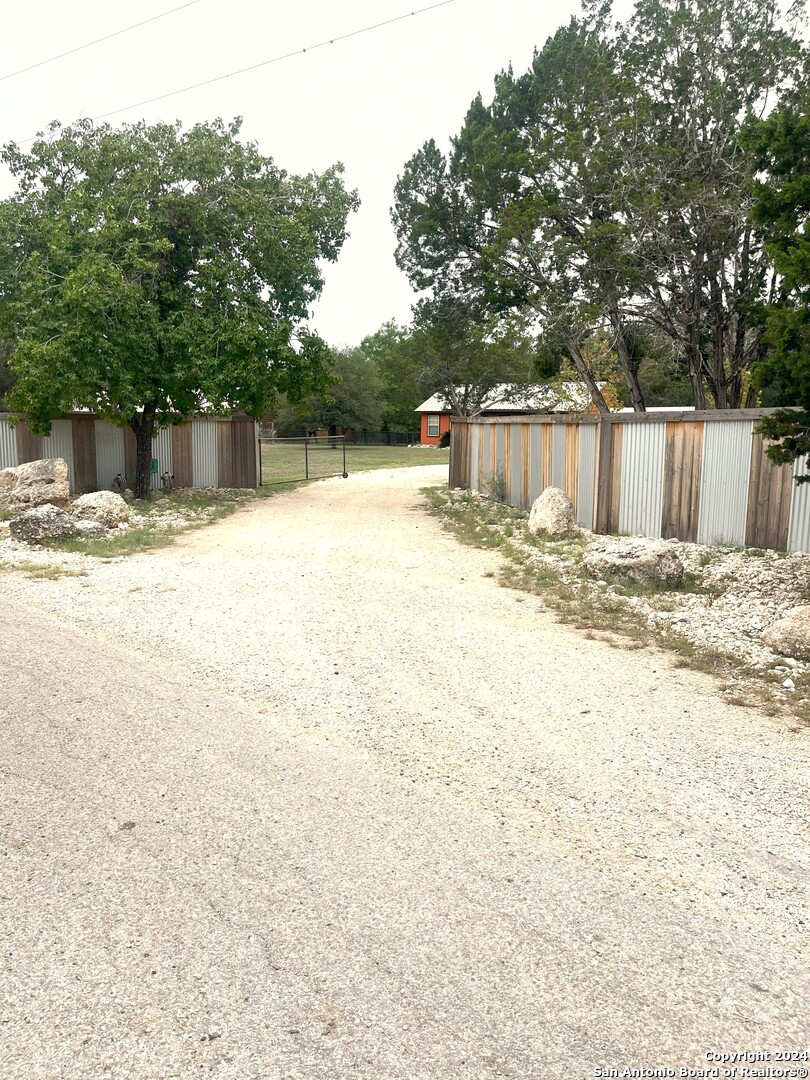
(36, 483)
(43, 523)
(637, 558)
(105, 507)
(90, 529)
(790, 635)
(553, 513)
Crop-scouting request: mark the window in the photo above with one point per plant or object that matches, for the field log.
(433, 427)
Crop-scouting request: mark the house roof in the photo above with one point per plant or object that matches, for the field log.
(507, 398)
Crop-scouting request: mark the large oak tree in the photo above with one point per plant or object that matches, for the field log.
(148, 273)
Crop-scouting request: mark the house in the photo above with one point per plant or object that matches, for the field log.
(507, 399)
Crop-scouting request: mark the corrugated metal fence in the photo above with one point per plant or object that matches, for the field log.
(696, 476)
(201, 453)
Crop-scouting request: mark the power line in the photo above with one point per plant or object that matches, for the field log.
(89, 44)
(273, 60)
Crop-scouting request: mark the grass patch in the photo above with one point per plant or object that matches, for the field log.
(285, 463)
(689, 583)
(44, 571)
(198, 508)
(143, 538)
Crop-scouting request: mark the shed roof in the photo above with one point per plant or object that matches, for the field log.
(508, 398)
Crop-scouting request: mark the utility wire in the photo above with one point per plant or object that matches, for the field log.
(89, 44)
(274, 60)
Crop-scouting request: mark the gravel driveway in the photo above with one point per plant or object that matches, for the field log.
(308, 795)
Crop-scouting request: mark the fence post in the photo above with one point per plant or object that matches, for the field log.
(306, 459)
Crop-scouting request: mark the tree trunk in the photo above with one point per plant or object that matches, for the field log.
(626, 361)
(590, 382)
(695, 354)
(144, 428)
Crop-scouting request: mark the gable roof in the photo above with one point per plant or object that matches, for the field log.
(508, 398)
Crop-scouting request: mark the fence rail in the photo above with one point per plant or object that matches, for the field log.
(696, 476)
(286, 461)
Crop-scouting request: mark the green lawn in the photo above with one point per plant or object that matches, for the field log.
(285, 463)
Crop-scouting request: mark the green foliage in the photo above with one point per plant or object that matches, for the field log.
(403, 390)
(353, 399)
(6, 374)
(148, 273)
(453, 351)
(607, 188)
(782, 208)
(495, 484)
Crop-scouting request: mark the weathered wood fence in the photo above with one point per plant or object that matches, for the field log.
(205, 452)
(698, 476)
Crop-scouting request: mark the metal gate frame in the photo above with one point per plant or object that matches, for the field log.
(318, 442)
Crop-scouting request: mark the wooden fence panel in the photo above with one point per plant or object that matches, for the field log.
(182, 461)
(769, 493)
(525, 467)
(683, 457)
(224, 454)
(459, 455)
(29, 447)
(507, 460)
(572, 461)
(84, 454)
(244, 452)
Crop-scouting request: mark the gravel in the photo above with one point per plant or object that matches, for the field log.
(341, 619)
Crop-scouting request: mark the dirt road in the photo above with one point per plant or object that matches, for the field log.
(308, 795)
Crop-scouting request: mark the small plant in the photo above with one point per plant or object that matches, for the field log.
(495, 484)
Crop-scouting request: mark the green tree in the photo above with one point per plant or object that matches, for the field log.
(148, 273)
(456, 352)
(782, 208)
(353, 398)
(403, 392)
(701, 66)
(607, 189)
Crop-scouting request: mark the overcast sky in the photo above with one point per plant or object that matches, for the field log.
(369, 102)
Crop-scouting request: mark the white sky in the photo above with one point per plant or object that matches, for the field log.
(369, 102)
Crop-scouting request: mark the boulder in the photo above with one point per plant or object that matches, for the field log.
(553, 513)
(105, 507)
(790, 635)
(90, 529)
(637, 558)
(35, 483)
(43, 523)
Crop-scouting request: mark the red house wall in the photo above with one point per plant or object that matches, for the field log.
(444, 425)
